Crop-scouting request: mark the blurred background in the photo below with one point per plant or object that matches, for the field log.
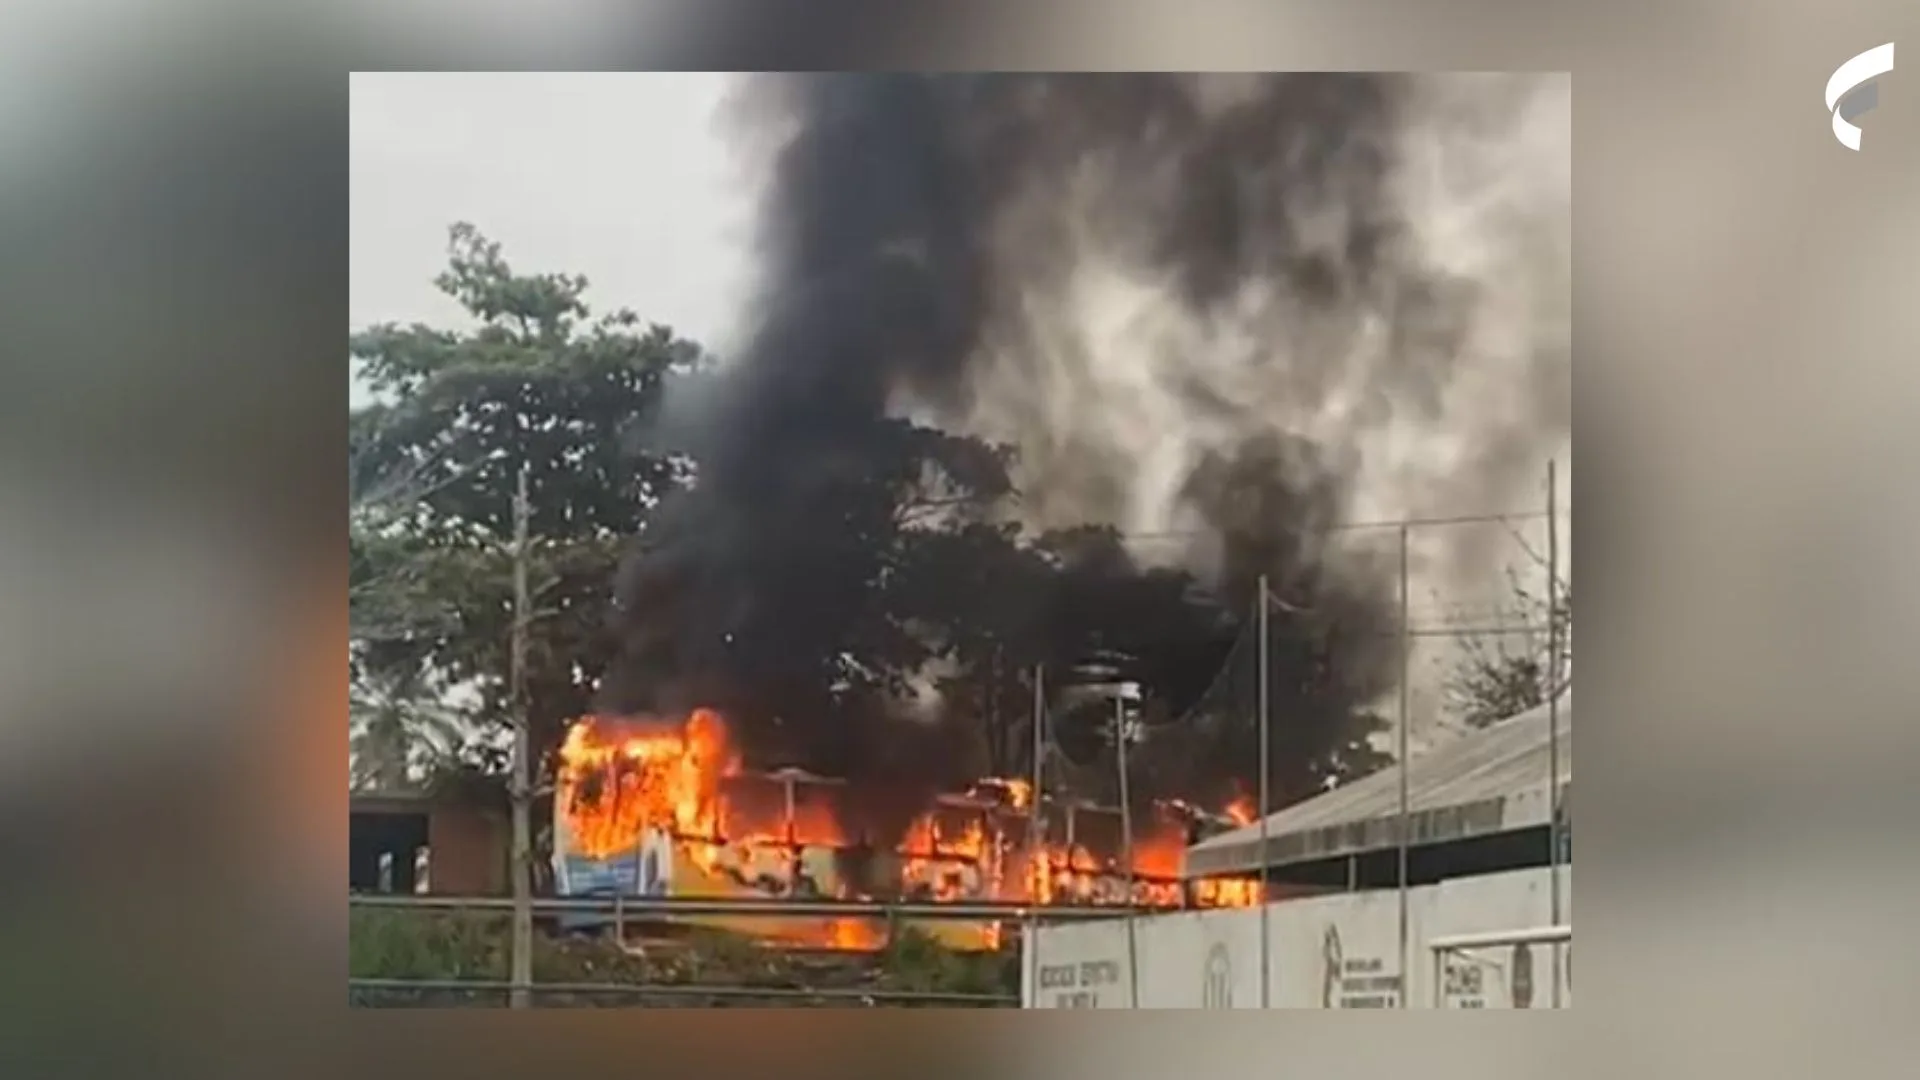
(175, 212)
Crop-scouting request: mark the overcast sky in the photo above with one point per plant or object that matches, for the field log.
(621, 177)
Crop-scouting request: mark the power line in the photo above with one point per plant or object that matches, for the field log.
(1356, 526)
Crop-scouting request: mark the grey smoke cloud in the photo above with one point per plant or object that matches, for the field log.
(1379, 269)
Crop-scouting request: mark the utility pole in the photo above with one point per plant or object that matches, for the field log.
(997, 742)
(1120, 695)
(521, 995)
(1266, 796)
(1554, 631)
(1403, 750)
(1039, 870)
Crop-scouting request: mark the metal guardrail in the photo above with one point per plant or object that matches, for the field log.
(962, 911)
(683, 991)
(1440, 947)
(966, 911)
(1539, 935)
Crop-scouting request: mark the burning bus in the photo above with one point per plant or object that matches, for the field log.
(658, 809)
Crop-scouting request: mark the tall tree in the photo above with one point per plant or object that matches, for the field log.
(535, 380)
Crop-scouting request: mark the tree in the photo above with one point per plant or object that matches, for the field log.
(536, 380)
(1503, 675)
(401, 734)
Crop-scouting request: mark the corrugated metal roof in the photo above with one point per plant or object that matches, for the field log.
(1488, 781)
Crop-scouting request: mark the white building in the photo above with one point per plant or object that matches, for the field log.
(1349, 935)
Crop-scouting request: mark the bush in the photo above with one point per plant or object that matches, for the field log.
(916, 962)
(399, 944)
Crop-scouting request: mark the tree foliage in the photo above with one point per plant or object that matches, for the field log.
(1503, 675)
(401, 733)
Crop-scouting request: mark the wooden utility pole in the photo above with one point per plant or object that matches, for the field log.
(521, 790)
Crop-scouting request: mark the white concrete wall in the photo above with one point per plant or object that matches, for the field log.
(1211, 959)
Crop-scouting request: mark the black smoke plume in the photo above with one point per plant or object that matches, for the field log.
(917, 239)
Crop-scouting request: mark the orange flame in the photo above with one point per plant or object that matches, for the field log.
(619, 778)
(616, 779)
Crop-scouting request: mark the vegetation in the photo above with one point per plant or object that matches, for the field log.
(1503, 675)
(702, 967)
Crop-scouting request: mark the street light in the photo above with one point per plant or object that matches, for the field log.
(1101, 675)
(1124, 692)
